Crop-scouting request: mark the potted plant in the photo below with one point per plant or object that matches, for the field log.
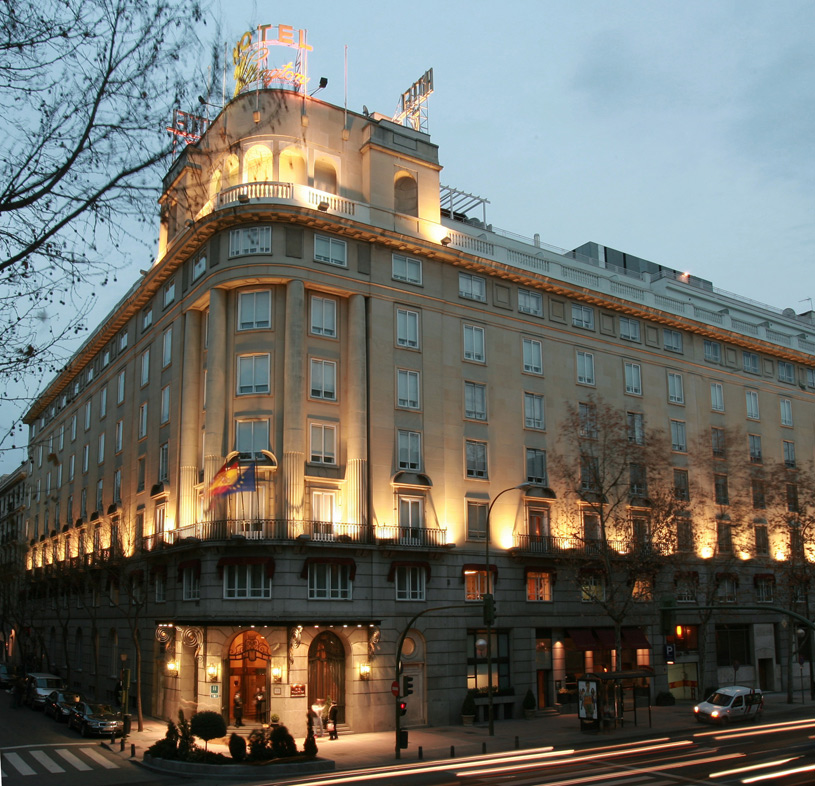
(468, 710)
(529, 705)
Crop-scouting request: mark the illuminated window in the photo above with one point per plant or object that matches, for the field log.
(258, 165)
(592, 588)
(475, 584)
(539, 586)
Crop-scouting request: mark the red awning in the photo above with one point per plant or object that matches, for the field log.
(583, 639)
(635, 639)
(267, 561)
(606, 638)
(763, 577)
(471, 567)
(193, 564)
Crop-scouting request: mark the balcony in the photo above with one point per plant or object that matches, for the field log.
(417, 537)
(589, 547)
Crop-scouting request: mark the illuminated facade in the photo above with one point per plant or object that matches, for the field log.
(386, 366)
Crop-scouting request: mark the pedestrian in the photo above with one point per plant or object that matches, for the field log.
(237, 708)
(260, 705)
(317, 708)
(332, 721)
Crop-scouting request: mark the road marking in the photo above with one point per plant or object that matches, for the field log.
(46, 761)
(99, 758)
(74, 761)
(16, 761)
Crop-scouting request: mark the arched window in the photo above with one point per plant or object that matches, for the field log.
(215, 184)
(325, 176)
(231, 172)
(292, 167)
(258, 165)
(406, 195)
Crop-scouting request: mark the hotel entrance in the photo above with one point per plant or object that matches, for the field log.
(326, 671)
(249, 657)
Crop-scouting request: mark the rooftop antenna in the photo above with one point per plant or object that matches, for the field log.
(411, 111)
(345, 77)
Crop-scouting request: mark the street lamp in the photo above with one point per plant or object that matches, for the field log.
(489, 606)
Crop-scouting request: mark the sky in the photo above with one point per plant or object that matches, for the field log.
(679, 131)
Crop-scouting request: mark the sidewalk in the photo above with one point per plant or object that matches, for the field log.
(375, 749)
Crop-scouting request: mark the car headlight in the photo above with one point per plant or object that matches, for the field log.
(696, 709)
(714, 714)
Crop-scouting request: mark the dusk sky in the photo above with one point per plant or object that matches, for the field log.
(681, 132)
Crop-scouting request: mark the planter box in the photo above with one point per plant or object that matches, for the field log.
(225, 772)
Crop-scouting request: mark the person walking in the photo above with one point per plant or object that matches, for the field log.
(317, 708)
(332, 721)
(237, 708)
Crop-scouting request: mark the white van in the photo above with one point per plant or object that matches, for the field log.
(730, 704)
(37, 686)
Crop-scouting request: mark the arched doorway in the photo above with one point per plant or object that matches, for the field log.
(248, 674)
(326, 671)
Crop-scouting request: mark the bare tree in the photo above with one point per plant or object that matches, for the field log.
(87, 89)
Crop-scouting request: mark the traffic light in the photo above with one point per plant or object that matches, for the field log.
(407, 686)
(402, 707)
(489, 609)
(667, 615)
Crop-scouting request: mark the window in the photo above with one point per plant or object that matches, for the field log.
(251, 438)
(406, 269)
(140, 474)
(629, 329)
(330, 250)
(145, 367)
(117, 486)
(475, 401)
(530, 302)
(476, 458)
(477, 674)
(789, 453)
(167, 347)
(761, 539)
(726, 591)
(329, 581)
(323, 444)
(786, 372)
(411, 518)
(643, 590)
(407, 388)
(589, 473)
(754, 445)
(324, 380)
(533, 411)
(592, 588)
(164, 463)
(750, 362)
(251, 240)
(323, 316)
(161, 587)
(676, 390)
(672, 340)
(764, 589)
(123, 340)
(786, 412)
(758, 494)
(724, 536)
(678, 436)
(587, 416)
(716, 397)
(633, 379)
(407, 328)
(120, 387)
(61, 437)
(585, 368)
(717, 442)
(583, 316)
(409, 449)
(255, 310)
(474, 343)
(410, 582)
(199, 267)
(85, 458)
(713, 351)
(681, 486)
(103, 406)
(636, 427)
(165, 405)
(811, 377)
(637, 484)
(71, 466)
(752, 404)
(720, 490)
(253, 374)
(472, 287)
(87, 424)
(476, 520)
(684, 536)
(539, 586)
(536, 466)
(246, 581)
(147, 318)
(533, 356)
(792, 498)
(191, 583)
(475, 584)
(143, 420)
(100, 452)
(169, 292)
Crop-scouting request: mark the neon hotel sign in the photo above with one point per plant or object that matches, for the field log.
(251, 55)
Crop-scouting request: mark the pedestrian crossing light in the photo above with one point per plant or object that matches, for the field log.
(489, 609)
(407, 686)
(402, 707)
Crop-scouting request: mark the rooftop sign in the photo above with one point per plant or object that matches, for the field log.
(251, 58)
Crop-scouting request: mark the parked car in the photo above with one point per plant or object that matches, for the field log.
(58, 704)
(733, 703)
(90, 719)
(5, 676)
(37, 686)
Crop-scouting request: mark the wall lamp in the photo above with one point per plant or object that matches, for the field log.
(365, 671)
(323, 206)
(172, 668)
(277, 674)
(446, 240)
(243, 197)
(212, 672)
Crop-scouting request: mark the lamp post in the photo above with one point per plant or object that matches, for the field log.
(489, 607)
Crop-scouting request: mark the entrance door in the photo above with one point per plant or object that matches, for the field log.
(326, 671)
(248, 674)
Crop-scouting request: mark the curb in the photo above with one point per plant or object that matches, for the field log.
(252, 772)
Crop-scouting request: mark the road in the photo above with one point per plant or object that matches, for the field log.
(35, 749)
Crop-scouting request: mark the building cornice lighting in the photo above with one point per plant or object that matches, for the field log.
(446, 240)
(243, 197)
(323, 206)
(172, 668)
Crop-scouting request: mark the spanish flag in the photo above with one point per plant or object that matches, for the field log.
(231, 479)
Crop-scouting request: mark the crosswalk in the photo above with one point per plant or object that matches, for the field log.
(51, 760)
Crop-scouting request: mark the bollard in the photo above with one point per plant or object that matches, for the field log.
(517, 743)
(452, 751)
(483, 747)
(132, 750)
(421, 753)
(113, 738)
(122, 744)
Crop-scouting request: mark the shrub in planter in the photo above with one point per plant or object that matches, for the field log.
(529, 702)
(186, 741)
(259, 747)
(237, 747)
(665, 699)
(167, 747)
(468, 705)
(208, 726)
(282, 742)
